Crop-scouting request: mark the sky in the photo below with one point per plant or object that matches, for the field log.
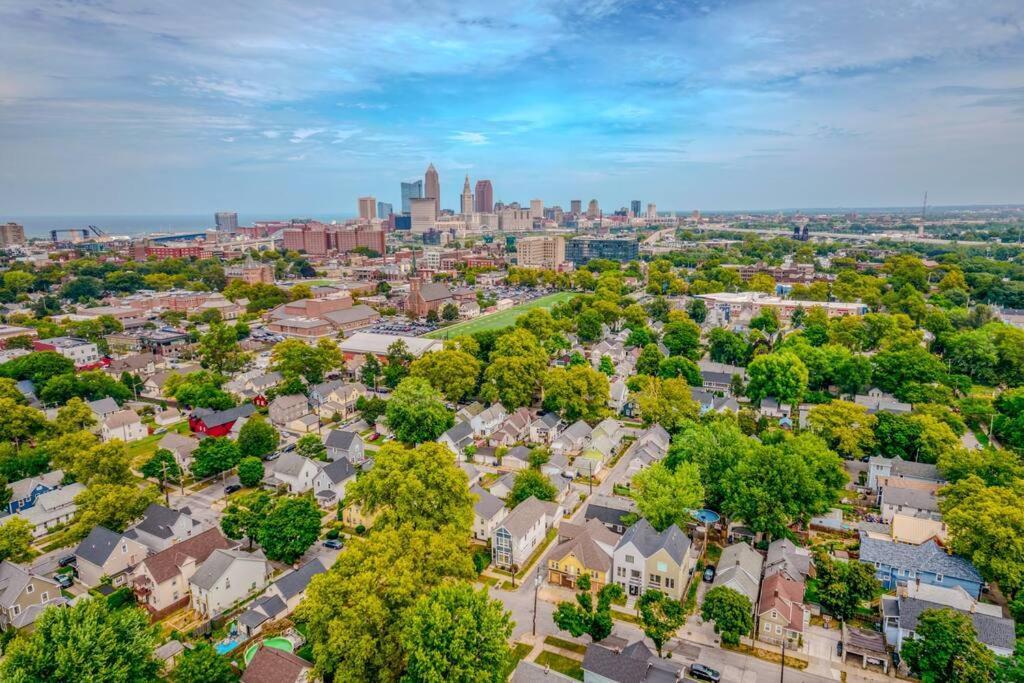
(286, 107)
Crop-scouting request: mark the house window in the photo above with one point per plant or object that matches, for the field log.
(30, 588)
(778, 629)
(878, 565)
(911, 573)
(938, 578)
(629, 559)
(227, 582)
(662, 567)
(124, 547)
(655, 579)
(775, 615)
(899, 572)
(670, 583)
(44, 597)
(16, 610)
(767, 628)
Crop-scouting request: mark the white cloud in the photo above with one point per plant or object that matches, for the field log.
(469, 137)
(271, 134)
(301, 134)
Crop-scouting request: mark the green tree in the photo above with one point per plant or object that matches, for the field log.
(421, 487)
(397, 367)
(682, 338)
(780, 375)
(162, 466)
(91, 386)
(450, 312)
(606, 366)
(244, 515)
(697, 310)
(945, 649)
(77, 643)
(588, 325)
(730, 610)
(726, 346)
(250, 471)
(114, 506)
(416, 412)
(289, 528)
(19, 423)
(576, 393)
(38, 366)
(666, 496)
(516, 369)
(667, 402)
(295, 358)
(371, 371)
(105, 463)
(74, 416)
(219, 350)
(16, 540)
(649, 361)
(257, 437)
(457, 634)
(357, 611)
(660, 616)
(530, 482)
(452, 372)
(202, 664)
(678, 366)
(213, 456)
(846, 427)
(311, 446)
(844, 586)
(587, 617)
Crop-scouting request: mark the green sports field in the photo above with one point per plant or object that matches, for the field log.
(500, 319)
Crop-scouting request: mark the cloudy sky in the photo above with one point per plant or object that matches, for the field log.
(280, 106)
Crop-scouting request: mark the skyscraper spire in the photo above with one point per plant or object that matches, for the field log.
(432, 188)
(467, 198)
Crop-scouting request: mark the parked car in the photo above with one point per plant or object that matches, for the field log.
(839, 648)
(333, 544)
(67, 561)
(273, 456)
(64, 580)
(709, 573)
(231, 488)
(704, 673)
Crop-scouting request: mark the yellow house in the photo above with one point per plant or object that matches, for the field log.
(352, 516)
(582, 549)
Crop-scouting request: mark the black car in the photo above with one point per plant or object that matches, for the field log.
(66, 561)
(709, 573)
(231, 488)
(333, 544)
(704, 673)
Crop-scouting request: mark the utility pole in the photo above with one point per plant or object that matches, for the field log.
(512, 562)
(163, 479)
(536, 590)
(782, 672)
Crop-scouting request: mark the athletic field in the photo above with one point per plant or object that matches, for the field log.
(494, 321)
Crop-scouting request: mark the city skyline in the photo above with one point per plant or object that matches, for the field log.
(192, 107)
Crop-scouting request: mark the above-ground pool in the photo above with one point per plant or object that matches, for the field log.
(278, 642)
(706, 516)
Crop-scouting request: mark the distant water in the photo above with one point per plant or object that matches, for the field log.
(40, 226)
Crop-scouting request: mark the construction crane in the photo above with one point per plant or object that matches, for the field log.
(96, 231)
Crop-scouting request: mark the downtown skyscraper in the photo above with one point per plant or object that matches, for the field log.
(432, 188)
(484, 197)
(413, 190)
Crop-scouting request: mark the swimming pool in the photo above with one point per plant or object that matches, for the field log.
(225, 646)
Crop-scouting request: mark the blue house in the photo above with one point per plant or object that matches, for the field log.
(897, 564)
(25, 491)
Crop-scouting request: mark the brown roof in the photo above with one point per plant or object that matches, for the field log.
(271, 665)
(164, 565)
(785, 596)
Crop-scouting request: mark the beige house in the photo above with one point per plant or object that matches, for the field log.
(225, 578)
(917, 529)
(23, 596)
(284, 409)
(161, 580)
(125, 425)
(781, 614)
(104, 553)
(646, 559)
(336, 398)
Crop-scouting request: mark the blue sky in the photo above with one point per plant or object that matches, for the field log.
(110, 106)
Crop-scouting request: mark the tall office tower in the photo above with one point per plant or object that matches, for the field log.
(593, 210)
(540, 252)
(634, 206)
(413, 190)
(423, 214)
(652, 211)
(384, 209)
(367, 208)
(227, 221)
(536, 208)
(484, 197)
(575, 207)
(12, 234)
(432, 188)
(467, 198)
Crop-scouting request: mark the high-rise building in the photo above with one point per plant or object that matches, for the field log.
(514, 220)
(12, 234)
(424, 214)
(484, 197)
(413, 190)
(634, 206)
(540, 252)
(652, 211)
(227, 221)
(432, 188)
(384, 209)
(536, 208)
(593, 210)
(580, 250)
(467, 198)
(576, 207)
(367, 208)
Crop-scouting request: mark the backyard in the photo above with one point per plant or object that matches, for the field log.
(500, 319)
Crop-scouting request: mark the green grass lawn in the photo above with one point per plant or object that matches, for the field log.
(500, 319)
(561, 664)
(518, 652)
(143, 449)
(565, 645)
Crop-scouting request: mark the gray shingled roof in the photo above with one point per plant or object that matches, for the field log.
(927, 557)
(97, 546)
(293, 583)
(991, 630)
(648, 541)
(460, 432)
(526, 515)
(339, 439)
(915, 498)
(487, 504)
(158, 520)
(216, 564)
(339, 470)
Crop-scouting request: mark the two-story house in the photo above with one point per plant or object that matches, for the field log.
(279, 599)
(52, 509)
(330, 482)
(182, 446)
(292, 471)
(645, 559)
(545, 428)
(739, 568)
(125, 425)
(285, 409)
(457, 438)
(25, 491)
(24, 596)
(894, 469)
(523, 531)
(897, 564)
(781, 613)
(162, 527)
(488, 512)
(161, 580)
(583, 549)
(225, 578)
(107, 553)
(893, 500)
(345, 444)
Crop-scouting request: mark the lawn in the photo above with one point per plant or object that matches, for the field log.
(143, 449)
(518, 652)
(565, 645)
(564, 665)
(500, 319)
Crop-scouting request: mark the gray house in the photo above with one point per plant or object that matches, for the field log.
(348, 445)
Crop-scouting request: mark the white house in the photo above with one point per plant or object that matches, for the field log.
(330, 482)
(125, 425)
(488, 512)
(162, 527)
(293, 471)
(226, 577)
(523, 531)
(571, 440)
